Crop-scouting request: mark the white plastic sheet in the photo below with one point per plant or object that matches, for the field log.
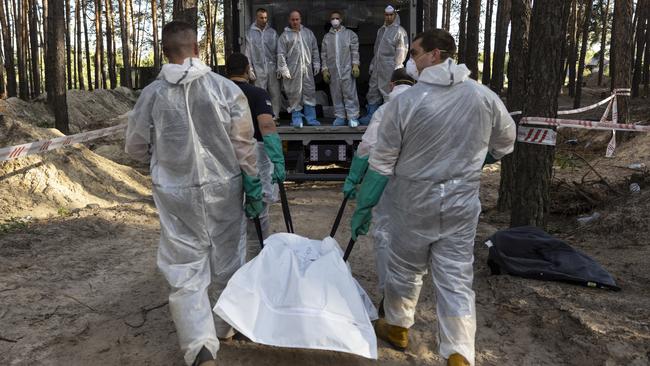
(299, 293)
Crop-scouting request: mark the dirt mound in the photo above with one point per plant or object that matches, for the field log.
(61, 180)
(88, 110)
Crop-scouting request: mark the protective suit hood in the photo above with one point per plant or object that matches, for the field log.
(191, 69)
(396, 22)
(397, 90)
(447, 73)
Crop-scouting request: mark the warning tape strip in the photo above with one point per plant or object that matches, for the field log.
(585, 124)
(619, 92)
(19, 151)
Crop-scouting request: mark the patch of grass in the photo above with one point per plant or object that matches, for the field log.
(63, 211)
(13, 224)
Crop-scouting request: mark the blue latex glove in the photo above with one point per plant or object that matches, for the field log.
(355, 176)
(273, 148)
(254, 205)
(368, 196)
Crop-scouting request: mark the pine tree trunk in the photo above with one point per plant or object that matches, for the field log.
(534, 163)
(462, 32)
(501, 35)
(33, 36)
(622, 44)
(12, 88)
(23, 84)
(583, 53)
(646, 63)
(68, 59)
(3, 86)
(55, 65)
(78, 57)
(642, 11)
(207, 15)
(10, 70)
(430, 9)
(154, 20)
(187, 11)
(516, 91)
(573, 47)
(448, 15)
(487, 44)
(125, 16)
(603, 43)
(227, 28)
(100, 71)
(471, 45)
(87, 45)
(110, 50)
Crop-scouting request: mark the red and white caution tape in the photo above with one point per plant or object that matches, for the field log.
(536, 135)
(585, 124)
(616, 92)
(19, 151)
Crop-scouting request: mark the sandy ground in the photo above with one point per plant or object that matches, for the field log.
(79, 286)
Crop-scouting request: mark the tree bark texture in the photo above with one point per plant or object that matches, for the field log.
(462, 31)
(583, 53)
(78, 53)
(23, 83)
(603, 42)
(487, 44)
(501, 36)
(622, 44)
(10, 69)
(68, 47)
(641, 28)
(187, 11)
(521, 10)
(87, 45)
(125, 26)
(534, 163)
(471, 45)
(110, 50)
(55, 65)
(33, 36)
(154, 20)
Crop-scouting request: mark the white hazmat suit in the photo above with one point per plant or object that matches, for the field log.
(197, 126)
(261, 50)
(298, 61)
(339, 51)
(391, 49)
(432, 143)
(380, 216)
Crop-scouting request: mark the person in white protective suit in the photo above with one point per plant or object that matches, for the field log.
(261, 50)
(196, 128)
(400, 82)
(340, 56)
(391, 49)
(432, 143)
(298, 63)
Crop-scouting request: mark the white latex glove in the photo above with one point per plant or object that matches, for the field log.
(285, 73)
(316, 69)
(251, 74)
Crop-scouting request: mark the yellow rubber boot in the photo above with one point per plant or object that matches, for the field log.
(398, 337)
(457, 360)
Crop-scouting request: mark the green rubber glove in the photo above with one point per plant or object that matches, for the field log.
(273, 148)
(355, 71)
(355, 176)
(368, 196)
(489, 159)
(254, 204)
(326, 76)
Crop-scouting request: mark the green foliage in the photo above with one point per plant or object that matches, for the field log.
(63, 211)
(14, 223)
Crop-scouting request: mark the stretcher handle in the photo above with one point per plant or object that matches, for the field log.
(258, 228)
(348, 250)
(285, 208)
(339, 215)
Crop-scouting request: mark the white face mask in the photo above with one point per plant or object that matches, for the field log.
(335, 23)
(412, 69)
